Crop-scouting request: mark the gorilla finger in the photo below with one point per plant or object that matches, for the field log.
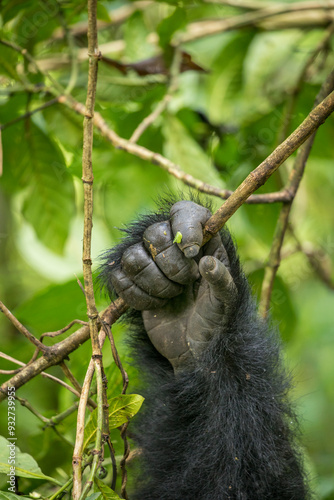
(139, 266)
(132, 294)
(158, 239)
(188, 218)
(220, 280)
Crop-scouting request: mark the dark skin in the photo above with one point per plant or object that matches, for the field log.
(184, 291)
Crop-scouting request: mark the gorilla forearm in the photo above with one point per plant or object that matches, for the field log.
(220, 425)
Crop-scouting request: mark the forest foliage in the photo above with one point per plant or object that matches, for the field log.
(243, 90)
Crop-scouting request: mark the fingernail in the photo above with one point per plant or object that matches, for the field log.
(191, 251)
(210, 263)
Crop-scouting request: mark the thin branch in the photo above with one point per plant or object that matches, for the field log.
(45, 375)
(34, 64)
(56, 419)
(96, 361)
(283, 219)
(60, 351)
(78, 448)
(160, 108)
(162, 105)
(318, 260)
(61, 490)
(53, 101)
(67, 372)
(124, 458)
(26, 404)
(116, 357)
(65, 329)
(21, 328)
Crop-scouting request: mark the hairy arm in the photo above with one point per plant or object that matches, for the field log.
(217, 423)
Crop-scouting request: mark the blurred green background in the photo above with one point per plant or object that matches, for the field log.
(219, 125)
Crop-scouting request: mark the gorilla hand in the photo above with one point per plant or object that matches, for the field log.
(184, 291)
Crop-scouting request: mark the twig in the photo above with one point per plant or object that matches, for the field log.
(21, 328)
(117, 359)
(67, 372)
(56, 419)
(123, 461)
(53, 101)
(261, 174)
(63, 330)
(318, 260)
(63, 488)
(78, 448)
(282, 223)
(175, 70)
(26, 404)
(33, 62)
(150, 118)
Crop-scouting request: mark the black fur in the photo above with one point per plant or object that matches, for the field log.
(225, 429)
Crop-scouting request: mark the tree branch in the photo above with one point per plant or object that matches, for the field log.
(87, 179)
(62, 350)
(282, 223)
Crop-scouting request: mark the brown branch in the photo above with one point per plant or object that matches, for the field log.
(262, 173)
(63, 330)
(67, 372)
(87, 179)
(283, 219)
(45, 375)
(169, 166)
(60, 351)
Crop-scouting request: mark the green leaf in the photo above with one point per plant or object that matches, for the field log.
(25, 465)
(8, 60)
(121, 409)
(39, 310)
(169, 25)
(181, 148)
(34, 161)
(178, 237)
(226, 81)
(95, 496)
(102, 13)
(106, 492)
(7, 495)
